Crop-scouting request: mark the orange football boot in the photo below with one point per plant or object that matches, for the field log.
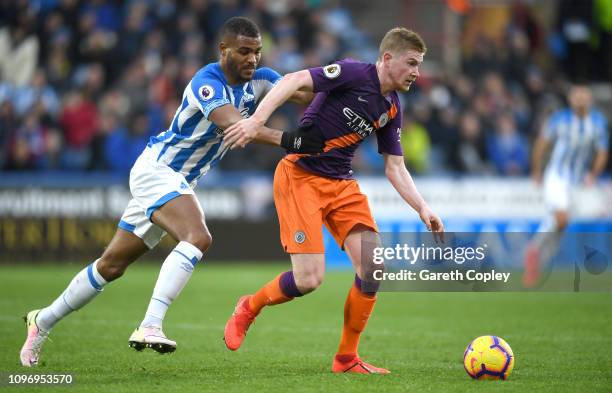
(238, 324)
(354, 364)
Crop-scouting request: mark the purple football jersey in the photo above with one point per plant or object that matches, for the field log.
(347, 108)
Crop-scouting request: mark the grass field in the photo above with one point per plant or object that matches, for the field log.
(562, 341)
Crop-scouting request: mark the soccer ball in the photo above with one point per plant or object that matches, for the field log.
(488, 357)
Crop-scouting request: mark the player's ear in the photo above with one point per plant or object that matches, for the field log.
(222, 48)
(387, 56)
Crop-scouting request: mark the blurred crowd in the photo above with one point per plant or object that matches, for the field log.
(84, 84)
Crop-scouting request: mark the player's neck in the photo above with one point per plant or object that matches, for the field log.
(581, 112)
(232, 81)
(386, 86)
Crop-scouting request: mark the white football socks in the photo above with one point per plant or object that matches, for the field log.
(83, 287)
(548, 239)
(174, 274)
(548, 244)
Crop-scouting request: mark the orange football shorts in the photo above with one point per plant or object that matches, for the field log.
(305, 201)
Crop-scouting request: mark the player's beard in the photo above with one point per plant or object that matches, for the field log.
(235, 70)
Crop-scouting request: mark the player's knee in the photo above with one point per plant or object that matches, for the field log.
(561, 221)
(201, 239)
(110, 270)
(307, 283)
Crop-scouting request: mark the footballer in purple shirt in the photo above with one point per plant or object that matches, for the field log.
(353, 101)
(348, 108)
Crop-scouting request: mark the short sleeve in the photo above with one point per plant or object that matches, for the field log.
(263, 81)
(388, 137)
(209, 94)
(342, 75)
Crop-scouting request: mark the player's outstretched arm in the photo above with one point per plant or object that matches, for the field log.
(540, 147)
(400, 178)
(302, 97)
(224, 116)
(599, 164)
(294, 142)
(227, 115)
(246, 130)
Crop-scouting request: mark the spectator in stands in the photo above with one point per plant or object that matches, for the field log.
(123, 145)
(603, 15)
(482, 59)
(38, 92)
(27, 145)
(79, 120)
(507, 148)
(18, 51)
(416, 146)
(575, 23)
(8, 122)
(470, 155)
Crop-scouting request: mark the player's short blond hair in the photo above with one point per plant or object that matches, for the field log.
(400, 39)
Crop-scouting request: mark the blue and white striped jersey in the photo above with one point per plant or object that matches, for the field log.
(575, 140)
(193, 144)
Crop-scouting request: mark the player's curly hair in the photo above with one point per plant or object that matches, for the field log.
(400, 39)
(239, 25)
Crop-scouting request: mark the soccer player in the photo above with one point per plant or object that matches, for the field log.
(353, 101)
(579, 139)
(162, 182)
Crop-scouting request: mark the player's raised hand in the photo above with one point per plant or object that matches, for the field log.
(433, 223)
(241, 133)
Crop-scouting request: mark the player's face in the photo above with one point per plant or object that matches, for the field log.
(403, 68)
(580, 98)
(241, 55)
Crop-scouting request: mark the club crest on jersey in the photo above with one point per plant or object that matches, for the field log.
(383, 119)
(247, 97)
(332, 71)
(299, 237)
(207, 92)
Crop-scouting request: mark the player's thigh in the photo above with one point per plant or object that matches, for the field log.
(308, 269)
(126, 246)
(298, 206)
(349, 216)
(561, 219)
(359, 245)
(557, 192)
(182, 217)
(167, 200)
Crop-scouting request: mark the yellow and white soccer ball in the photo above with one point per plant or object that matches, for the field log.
(488, 357)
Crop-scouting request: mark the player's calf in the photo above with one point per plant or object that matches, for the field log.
(280, 290)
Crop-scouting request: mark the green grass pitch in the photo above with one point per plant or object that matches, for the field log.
(562, 341)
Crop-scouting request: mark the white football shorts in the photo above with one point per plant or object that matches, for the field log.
(557, 192)
(152, 184)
